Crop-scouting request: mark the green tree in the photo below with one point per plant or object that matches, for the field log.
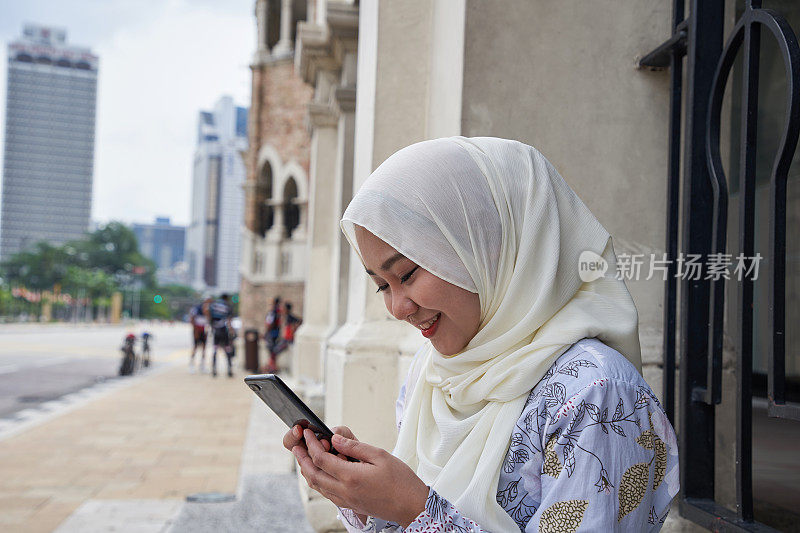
(40, 268)
(115, 249)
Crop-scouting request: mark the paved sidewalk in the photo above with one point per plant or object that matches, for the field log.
(163, 437)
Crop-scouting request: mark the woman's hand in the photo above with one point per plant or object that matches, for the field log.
(294, 437)
(379, 485)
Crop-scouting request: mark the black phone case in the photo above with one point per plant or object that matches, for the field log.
(286, 404)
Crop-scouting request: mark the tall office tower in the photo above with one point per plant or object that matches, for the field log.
(214, 234)
(49, 140)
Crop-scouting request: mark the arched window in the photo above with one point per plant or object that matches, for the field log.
(264, 213)
(291, 211)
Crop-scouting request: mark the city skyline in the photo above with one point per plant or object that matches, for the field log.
(161, 62)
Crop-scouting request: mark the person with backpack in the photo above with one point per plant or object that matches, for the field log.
(291, 323)
(199, 321)
(220, 313)
(273, 331)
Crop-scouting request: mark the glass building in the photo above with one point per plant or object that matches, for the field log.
(49, 140)
(214, 234)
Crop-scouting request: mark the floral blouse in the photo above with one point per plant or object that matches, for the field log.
(592, 450)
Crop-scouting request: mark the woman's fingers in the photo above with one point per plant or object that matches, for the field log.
(357, 450)
(293, 437)
(317, 450)
(316, 478)
(344, 431)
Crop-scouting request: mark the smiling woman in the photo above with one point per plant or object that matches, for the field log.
(525, 409)
(446, 314)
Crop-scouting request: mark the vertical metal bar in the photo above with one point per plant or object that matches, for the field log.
(673, 199)
(697, 418)
(744, 414)
(776, 376)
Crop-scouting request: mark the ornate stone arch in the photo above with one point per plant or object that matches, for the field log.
(293, 170)
(268, 171)
(293, 197)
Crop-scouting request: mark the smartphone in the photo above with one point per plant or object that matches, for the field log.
(285, 403)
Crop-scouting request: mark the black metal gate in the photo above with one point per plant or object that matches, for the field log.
(695, 110)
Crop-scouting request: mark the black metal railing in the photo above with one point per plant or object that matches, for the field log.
(697, 40)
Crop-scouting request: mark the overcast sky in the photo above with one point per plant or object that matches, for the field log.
(161, 61)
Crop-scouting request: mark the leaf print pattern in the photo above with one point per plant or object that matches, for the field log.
(659, 463)
(569, 458)
(555, 394)
(563, 517)
(509, 494)
(571, 368)
(607, 467)
(522, 513)
(632, 488)
(551, 465)
(650, 441)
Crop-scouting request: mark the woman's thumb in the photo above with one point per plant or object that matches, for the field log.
(353, 448)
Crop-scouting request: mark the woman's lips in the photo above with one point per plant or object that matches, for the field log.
(431, 330)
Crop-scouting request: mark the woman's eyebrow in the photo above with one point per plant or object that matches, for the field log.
(388, 263)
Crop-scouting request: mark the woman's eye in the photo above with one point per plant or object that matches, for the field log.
(405, 278)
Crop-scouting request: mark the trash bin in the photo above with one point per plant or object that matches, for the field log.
(251, 350)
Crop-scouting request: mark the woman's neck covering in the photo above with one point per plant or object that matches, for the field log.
(494, 217)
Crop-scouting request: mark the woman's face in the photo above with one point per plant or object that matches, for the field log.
(446, 314)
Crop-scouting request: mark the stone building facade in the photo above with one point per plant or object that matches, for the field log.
(273, 259)
(561, 77)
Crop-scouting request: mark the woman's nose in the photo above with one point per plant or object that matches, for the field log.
(402, 306)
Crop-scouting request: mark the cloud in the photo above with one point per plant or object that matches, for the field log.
(153, 81)
(161, 61)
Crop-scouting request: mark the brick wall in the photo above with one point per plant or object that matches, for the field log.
(256, 300)
(277, 118)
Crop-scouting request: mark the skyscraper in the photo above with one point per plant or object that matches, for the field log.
(214, 235)
(49, 140)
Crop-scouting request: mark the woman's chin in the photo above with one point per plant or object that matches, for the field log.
(446, 349)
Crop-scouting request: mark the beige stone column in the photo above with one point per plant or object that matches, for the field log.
(262, 22)
(284, 44)
(300, 231)
(311, 336)
(364, 360)
(277, 232)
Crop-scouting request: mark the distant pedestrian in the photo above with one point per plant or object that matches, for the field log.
(146, 337)
(199, 321)
(219, 314)
(290, 324)
(273, 331)
(128, 365)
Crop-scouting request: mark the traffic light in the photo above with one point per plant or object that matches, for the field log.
(158, 299)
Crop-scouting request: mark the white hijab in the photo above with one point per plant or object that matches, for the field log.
(494, 217)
